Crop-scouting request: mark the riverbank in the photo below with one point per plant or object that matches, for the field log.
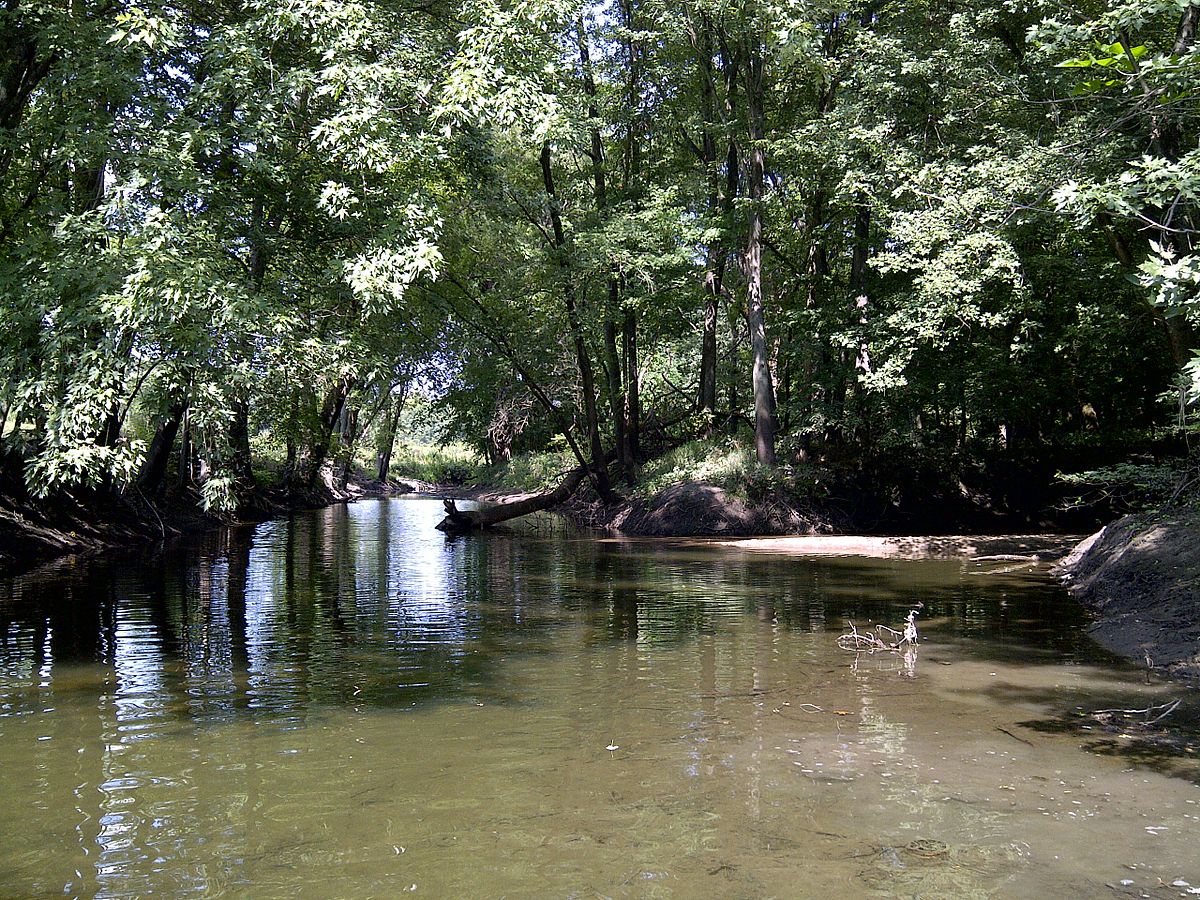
(1140, 577)
(33, 532)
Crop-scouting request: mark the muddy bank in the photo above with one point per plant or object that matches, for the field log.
(33, 532)
(694, 509)
(1140, 576)
(700, 510)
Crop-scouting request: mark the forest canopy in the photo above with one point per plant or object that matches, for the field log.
(904, 239)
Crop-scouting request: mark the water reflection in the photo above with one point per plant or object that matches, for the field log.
(346, 690)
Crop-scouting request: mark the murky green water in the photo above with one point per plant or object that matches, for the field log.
(345, 704)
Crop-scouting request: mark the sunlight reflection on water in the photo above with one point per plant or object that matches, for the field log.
(347, 703)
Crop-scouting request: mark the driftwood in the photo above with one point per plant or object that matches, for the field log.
(464, 521)
(883, 638)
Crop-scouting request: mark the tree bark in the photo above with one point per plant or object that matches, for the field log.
(764, 391)
(349, 440)
(331, 410)
(185, 451)
(630, 451)
(720, 205)
(154, 469)
(633, 396)
(239, 439)
(612, 365)
(387, 441)
(465, 521)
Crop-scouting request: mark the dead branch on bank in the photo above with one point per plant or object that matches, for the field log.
(882, 638)
(464, 521)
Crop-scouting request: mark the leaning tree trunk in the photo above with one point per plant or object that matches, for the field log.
(586, 378)
(154, 469)
(331, 411)
(349, 441)
(387, 442)
(459, 521)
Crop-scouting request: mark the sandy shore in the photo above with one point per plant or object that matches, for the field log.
(1034, 547)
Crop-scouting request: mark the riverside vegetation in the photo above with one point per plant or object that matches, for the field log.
(876, 265)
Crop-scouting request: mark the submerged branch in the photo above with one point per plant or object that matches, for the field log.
(882, 638)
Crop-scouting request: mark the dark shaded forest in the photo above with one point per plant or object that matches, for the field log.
(884, 257)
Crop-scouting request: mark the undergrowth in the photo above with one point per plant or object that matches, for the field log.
(444, 464)
(532, 471)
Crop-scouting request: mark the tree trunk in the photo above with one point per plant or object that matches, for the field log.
(185, 451)
(764, 392)
(714, 256)
(239, 439)
(582, 360)
(633, 397)
(612, 366)
(154, 469)
(720, 205)
(350, 429)
(464, 521)
(387, 440)
(331, 410)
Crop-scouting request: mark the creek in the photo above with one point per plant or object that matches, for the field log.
(347, 703)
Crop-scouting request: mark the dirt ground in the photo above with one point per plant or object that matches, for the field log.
(1141, 578)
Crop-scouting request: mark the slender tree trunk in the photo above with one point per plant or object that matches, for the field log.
(349, 440)
(612, 367)
(720, 205)
(241, 463)
(633, 396)
(764, 392)
(713, 253)
(582, 359)
(289, 466)
(387, 441)
(186, 451)
(858, 281)
(631, 451)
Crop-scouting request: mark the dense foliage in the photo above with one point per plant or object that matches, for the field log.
(919, 242)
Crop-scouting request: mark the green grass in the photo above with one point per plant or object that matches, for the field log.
(532, 471)
(449, 464)
(446, 464)
(726, 462)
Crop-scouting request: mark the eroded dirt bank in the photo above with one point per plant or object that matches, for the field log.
(33, 532)
(1141, 578)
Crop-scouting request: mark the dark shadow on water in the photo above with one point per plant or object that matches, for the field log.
(1170, 746)
(368, 606)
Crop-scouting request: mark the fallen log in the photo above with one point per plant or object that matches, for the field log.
(464, 521)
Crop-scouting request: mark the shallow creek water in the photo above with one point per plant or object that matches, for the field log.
(346, 703)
